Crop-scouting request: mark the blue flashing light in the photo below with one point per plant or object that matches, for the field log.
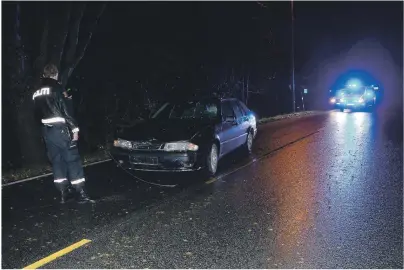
(354, 83)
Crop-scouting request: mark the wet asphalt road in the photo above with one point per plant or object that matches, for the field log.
(329, 196)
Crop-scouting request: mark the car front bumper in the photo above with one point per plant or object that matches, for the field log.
(353, 105)
(158, 161)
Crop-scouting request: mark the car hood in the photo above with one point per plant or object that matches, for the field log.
(165, 131)
(352, 96)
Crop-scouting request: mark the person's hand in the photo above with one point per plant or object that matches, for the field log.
(75, 136)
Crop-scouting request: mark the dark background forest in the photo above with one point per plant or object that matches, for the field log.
(123, 58)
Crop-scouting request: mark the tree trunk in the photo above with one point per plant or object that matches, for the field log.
(75, 54)
(59, 31)
(74, 29)
(32, 148)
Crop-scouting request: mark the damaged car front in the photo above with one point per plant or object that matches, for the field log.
(173, 139)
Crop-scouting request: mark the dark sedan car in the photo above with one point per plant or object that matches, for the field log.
(187, 136)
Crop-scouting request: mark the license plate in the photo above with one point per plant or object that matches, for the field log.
(144, 160)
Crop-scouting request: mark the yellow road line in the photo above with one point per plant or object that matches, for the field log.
(58, 254)
(210, 181)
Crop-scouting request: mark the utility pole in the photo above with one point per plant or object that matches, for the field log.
(293, 58)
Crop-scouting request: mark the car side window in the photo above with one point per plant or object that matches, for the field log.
(227, 110)
(237, 110)
(243, 107)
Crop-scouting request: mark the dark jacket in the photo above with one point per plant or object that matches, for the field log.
(50, 105)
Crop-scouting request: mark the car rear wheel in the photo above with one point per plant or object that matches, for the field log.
(212, 160)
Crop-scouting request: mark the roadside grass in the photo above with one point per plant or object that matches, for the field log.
(287, 116)
(43, 169)
(101, 155)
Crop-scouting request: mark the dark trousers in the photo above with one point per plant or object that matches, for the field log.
(65, 158)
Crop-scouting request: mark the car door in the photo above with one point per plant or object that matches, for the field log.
(228, 129)
(242, 124)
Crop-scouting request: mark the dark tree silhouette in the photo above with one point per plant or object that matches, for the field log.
(61, 44)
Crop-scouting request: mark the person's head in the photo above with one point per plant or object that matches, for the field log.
(50, 71)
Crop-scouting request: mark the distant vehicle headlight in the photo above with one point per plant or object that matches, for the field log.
(361, 100)
(333, 100)
(123, 143)
(180, 146)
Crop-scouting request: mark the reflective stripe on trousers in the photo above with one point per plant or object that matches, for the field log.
(78, 181)
(54, 120)
(60, 180)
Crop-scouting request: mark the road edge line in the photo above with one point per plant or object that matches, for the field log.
(57, 254)
(268, 153)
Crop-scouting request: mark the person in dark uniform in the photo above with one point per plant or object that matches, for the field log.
(60, 130)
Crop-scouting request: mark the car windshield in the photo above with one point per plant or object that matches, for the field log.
(349, 92)
(185, 110)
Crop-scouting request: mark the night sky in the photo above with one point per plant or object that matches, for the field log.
(133, 36)
(209, 31)
(326, 28)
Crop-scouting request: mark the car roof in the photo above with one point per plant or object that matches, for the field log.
(202, 98)
(191, 99)
(228, 99)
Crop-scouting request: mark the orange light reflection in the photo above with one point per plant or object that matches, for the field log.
(295, 204)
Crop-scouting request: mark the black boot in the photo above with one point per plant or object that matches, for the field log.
(71, 190)
(83, 197)
(66, 195)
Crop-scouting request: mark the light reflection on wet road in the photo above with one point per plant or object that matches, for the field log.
(331, 200)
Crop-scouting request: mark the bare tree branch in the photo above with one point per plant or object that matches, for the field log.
(62, 32)
(73, 42)
(71, 59)
(74, 34)
(43, 52)
(90, 34)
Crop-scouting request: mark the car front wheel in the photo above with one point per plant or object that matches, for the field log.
(248, 144)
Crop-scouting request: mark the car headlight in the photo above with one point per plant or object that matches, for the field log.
(180, 146)
(361, 100)
(333, 100)
(123, 143)
(253, 120)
